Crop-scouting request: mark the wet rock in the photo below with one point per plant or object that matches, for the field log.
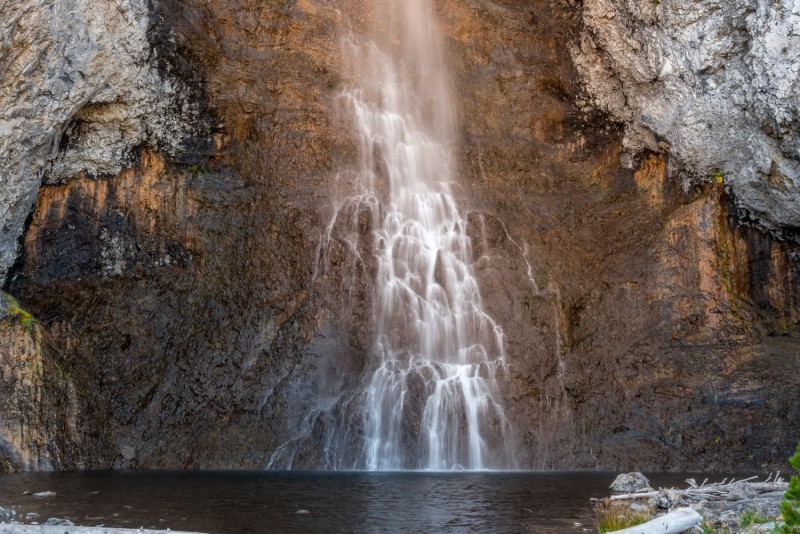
(7, 514)
(418, 391)
(59, 522)
(38, 400)
(630, 482)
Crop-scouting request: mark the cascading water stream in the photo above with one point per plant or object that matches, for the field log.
(432, 401)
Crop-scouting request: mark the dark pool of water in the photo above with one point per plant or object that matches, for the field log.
(236, 502)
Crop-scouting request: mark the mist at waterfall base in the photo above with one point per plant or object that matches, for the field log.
(238, 502)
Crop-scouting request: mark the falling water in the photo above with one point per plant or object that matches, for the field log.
(432, 401)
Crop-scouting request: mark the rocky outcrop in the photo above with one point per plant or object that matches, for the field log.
(716, 84)
(82, 89)
(42, 407)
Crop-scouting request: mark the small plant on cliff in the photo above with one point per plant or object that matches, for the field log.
(718, 177)
(612, 517)
(790, 507)
(16, 312)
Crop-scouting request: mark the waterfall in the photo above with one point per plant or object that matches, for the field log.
(431, 400)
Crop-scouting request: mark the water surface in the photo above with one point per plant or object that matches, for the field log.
(238, 502)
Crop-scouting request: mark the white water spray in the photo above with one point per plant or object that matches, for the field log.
(432, 401)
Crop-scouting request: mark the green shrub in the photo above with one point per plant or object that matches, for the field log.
(790, 507)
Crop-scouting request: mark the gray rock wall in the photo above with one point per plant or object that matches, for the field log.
(79, 91)
(715, 83)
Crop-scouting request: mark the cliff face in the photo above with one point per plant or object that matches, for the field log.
(173, 256)
(645, 323)
(45, 417)
(187, 289)
(82, 89)
(716, 84)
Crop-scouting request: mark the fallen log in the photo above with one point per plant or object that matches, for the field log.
(763, 487)
(677, 521)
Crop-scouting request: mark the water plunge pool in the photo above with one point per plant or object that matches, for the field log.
(331, 502)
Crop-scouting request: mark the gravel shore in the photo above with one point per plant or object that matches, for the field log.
(11, 528)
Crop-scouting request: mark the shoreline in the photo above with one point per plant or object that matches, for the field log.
(19, 528)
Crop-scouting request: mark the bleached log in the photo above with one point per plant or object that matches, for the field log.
(677, 521)
(769, 486)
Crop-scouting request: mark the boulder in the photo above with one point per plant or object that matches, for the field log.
(630, 483)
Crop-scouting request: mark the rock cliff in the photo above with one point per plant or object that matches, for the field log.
(173, 256)
(82, 89)
(716, 84)
(44, 415)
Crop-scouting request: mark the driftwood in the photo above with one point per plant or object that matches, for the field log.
(640, 495)
(678, 520)
(702, 495)
(718, 490)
